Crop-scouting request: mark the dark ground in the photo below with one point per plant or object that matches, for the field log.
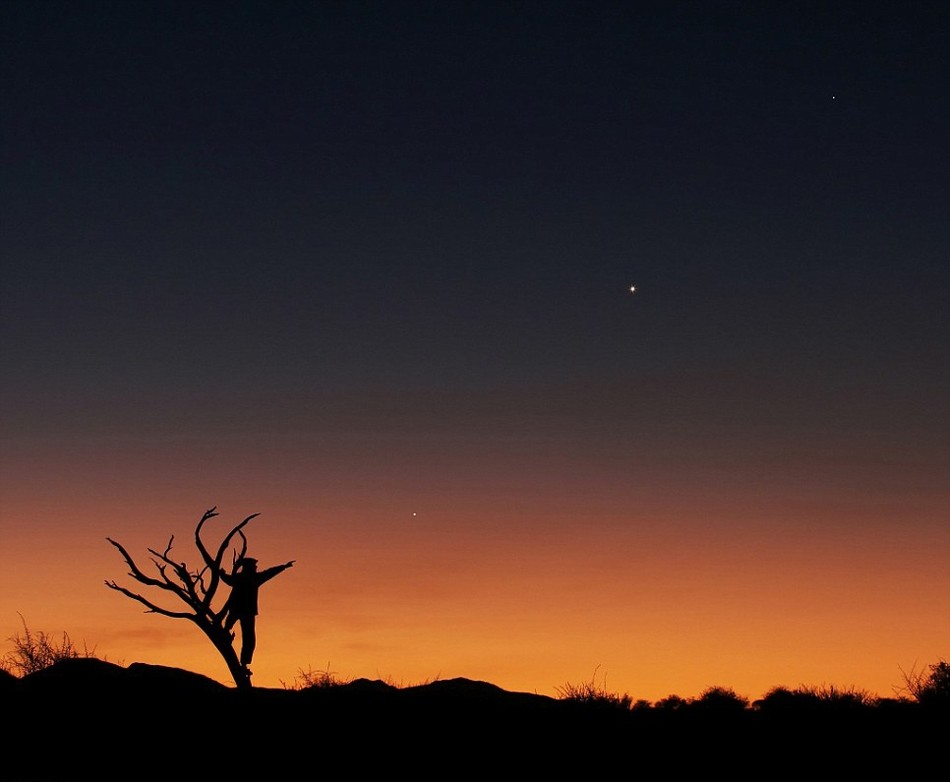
(86, 719)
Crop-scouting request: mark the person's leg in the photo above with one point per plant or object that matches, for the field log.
(248, 640)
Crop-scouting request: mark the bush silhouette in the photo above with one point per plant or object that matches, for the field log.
(929, 686)
(592, 693)
(34, 652)
(722, 700)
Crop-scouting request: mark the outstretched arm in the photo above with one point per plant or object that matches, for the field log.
(267, 575)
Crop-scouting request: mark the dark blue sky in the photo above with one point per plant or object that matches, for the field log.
(210, 207)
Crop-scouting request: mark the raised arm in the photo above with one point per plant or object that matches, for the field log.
(267, 575)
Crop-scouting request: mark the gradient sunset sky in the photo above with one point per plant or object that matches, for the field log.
(365, 268)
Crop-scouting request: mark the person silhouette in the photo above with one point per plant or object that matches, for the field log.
(242, 604)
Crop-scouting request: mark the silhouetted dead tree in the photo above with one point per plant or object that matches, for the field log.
(196, 589)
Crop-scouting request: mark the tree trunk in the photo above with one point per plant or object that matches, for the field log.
(222, 641)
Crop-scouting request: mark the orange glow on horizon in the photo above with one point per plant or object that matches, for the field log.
(649, 605)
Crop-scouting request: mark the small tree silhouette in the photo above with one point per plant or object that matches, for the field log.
(197, 589)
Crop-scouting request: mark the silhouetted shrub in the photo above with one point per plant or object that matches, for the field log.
(783, 699)
(311, 679)
(722, 700)
(34, 652)
(813, 699)
(592, 693)
(929, 686)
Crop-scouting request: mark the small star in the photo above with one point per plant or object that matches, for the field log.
(633, 288)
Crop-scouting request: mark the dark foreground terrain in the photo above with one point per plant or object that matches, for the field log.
(86, 719)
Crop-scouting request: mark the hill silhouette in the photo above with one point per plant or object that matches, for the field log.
(84, 718)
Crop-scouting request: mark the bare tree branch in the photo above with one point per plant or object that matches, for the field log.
(185, 578)
(236, 531)
(134, 571)
(152, 608)
(214, 564)
(208, 514)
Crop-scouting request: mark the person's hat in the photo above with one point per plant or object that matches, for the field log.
(248, 561)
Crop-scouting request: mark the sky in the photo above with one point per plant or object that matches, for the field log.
(368, 269)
